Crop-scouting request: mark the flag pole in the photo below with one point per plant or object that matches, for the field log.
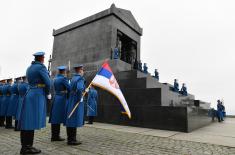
(75, 107)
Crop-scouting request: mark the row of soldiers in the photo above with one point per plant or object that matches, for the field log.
(138, 65)
(11, 98)
(26, 102)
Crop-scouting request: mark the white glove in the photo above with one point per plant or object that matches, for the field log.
(81, 99)
(87, 90)
(49, 96)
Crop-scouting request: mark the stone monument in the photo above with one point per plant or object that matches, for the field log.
(92, 40)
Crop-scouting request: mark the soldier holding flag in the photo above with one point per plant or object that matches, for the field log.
(76, 95)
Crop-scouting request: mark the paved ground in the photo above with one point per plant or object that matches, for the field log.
(216, 139)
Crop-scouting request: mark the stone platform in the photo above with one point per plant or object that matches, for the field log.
(152, 104)
(106, 139)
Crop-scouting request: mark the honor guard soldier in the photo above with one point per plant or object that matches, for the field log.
(145, 68)
(219, 111)
(176, 86)
(156, 74)
(92, 104)
(7, 103)
(14, 100)
(58, 116)
(33, 112)
(76, 93)
(116, 53)
(183, 90)
(2, 117)
(22, 89)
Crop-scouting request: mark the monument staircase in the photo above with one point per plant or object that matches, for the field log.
(152, 104)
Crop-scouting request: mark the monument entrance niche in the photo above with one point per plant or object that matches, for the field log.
(127, 47)
(152, 104)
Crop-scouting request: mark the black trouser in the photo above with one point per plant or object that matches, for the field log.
(90, 119)
(71, 134)
(8, 121)
(26, 138)
(55, 131)
(2, 120)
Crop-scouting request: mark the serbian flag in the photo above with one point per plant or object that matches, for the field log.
(106, 80)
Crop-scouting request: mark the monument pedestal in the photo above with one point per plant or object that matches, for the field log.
(152, 104)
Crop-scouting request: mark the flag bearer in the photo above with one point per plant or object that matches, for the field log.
(76, 120)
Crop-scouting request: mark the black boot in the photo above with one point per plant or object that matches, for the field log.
(55, 133)
(9, 122)
(2, 121)
(90, 119)
(26, 137)
(71, 133)
(16, 126)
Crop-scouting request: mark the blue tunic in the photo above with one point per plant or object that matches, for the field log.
(176, 87)
(220, 111)
(0, 97)
(14, 100)
(115, 53)
(184, 91)
(92, 102)
(156, 75)
(77, 88)
(22, 89)
(62, 89)
(5, 99)
(145, 69)
(33, 112)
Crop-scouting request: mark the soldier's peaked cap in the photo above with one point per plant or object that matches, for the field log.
(39, 53)
(78, 66)
(61, 67)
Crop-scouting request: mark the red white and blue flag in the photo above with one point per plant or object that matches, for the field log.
(106, 80)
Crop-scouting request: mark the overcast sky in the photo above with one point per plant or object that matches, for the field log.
(192, 40)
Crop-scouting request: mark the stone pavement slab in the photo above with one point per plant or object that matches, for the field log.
(106, 139)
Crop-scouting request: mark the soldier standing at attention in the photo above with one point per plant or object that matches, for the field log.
(33, 112)
(7, 103)
(58, 116)
(183, 90)
(145, 68)
(14, 100)
(22, 89)
(92, 104)
(176, 86)
(2, 118)
(76, 120)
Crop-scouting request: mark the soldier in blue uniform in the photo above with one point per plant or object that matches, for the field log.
(219, 111)
(156, 75)
(22, 89)
(2, 117)
(176, 86)
(6, 103)
(145, 68)
(76, 120)
(183, 90)
(92, 104)
(33, 112)
(116, 54)
(14, 100)
(57, 116)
